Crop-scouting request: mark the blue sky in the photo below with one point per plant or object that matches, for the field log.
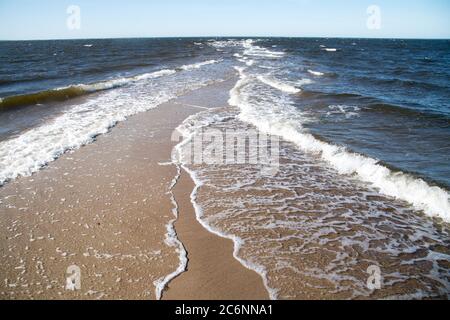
(46, 19)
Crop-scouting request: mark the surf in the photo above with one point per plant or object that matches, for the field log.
(279, 85)
(77, 90)
(434, 201)
(80, 124)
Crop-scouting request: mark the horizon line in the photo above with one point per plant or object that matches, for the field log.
(228, 37)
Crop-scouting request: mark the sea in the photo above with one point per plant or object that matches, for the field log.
(359, 206)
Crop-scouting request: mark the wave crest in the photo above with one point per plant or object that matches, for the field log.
(73, 91)
(279, 85)
(434, 201)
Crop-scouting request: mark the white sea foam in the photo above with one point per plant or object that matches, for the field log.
(261, 216)
(246, 61)
(303, 82)
(105, 85)
(225, 43)
(188, 130)
(260, 243)
(250, 62)
(434, 201)
(37, 147)
(119, 82)
(157, 74)
(198, 65)
(348, 111)
(253, 50)
(316, 73)
(266, 67)
(238, 242)
(79, 125)
(173, 241)
(279, 85)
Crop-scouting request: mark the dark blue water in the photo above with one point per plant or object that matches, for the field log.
(388, 99)
(33, 66)
(43, 67)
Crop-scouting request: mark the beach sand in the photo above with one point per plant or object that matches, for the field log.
(212, 273)
(105, 208)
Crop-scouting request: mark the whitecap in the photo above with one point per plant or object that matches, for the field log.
(316, 73)
(198, 65)
(433, 200)
(285, 87)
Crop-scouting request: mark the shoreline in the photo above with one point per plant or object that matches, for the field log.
(105, 208)
(136, 222)
(212, 257)
(212, 272)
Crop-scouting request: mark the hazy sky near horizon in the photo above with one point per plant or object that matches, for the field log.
(47, 19)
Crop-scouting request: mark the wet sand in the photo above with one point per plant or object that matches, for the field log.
(213, 273)
(104, 208)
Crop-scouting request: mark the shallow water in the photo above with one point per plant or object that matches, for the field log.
(363, 130)
(313, 233)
